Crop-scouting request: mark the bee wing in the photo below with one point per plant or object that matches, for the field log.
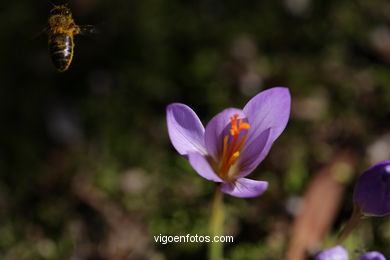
(43, 31)
(88, 29)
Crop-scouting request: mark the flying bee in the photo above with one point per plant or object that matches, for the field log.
(61, 31)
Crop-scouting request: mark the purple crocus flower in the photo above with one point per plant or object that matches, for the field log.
(372, 256)
(333, 253)
(372, 190)
(234, 142)
(339, 253)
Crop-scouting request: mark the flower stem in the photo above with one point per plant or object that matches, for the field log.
(353, 221)
(216, 226)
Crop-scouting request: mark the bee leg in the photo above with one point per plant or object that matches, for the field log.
(75, 28)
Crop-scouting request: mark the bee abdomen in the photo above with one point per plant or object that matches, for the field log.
(61, 50)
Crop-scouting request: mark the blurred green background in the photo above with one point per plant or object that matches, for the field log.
(87, 169)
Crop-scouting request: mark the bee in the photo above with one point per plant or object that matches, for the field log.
(61, 31)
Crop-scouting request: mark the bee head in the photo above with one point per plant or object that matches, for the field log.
(60, 10)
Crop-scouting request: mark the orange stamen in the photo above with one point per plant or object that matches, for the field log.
(231, 153)
(225, 145)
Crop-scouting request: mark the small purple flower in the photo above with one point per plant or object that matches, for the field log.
(372, 256)
(234, 142)
(372, 190)
(339, 253)
(333, 253)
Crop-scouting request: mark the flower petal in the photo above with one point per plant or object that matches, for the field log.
(217, 128)
(372, 190)
(202, 167)
(372, 256)
(333, 253)
(185, 129)
(244, 188)
(268, 109)
(254, 153)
